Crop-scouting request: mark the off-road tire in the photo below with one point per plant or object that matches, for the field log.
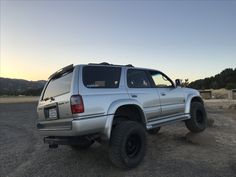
(127, 144)
(154, 131)
(82, 143)
(198, 121)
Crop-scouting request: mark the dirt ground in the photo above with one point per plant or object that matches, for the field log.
(23, 154)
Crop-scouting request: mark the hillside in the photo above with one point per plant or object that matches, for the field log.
(20, 87)
(226, 79)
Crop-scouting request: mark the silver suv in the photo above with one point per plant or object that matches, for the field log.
(116, 104)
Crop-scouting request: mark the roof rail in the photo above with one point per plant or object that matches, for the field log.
(129, 65)
(105, 63)
(61, 71)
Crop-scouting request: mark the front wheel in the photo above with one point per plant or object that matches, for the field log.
(127, 144)
(198, 121)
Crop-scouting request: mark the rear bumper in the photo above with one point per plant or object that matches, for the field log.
(72, 127)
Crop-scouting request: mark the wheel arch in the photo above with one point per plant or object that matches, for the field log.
(117, 109)
(192, 98)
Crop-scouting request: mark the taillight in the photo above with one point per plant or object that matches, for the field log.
(76, 104)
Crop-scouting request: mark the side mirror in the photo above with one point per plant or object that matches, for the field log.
(178, 83)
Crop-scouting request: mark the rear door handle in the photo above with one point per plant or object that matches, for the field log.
(134, 96)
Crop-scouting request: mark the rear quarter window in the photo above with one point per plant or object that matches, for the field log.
(101, 77)
(58, 86)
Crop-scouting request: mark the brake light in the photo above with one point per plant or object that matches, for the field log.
(76, 104)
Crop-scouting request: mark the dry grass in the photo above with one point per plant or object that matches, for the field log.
(220, 103)
(220, 93)
(18, 99)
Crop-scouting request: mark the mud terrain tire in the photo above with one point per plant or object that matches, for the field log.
(198, 121)
(127, 144)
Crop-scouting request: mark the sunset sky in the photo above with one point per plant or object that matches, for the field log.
(184, 39)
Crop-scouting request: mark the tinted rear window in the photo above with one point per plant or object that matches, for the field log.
(58, 86)
(101, 77)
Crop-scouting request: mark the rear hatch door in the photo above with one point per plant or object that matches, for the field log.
(55, 99)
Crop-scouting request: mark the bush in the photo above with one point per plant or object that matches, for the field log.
(230, 86)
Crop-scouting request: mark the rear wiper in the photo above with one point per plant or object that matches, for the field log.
(49, 98)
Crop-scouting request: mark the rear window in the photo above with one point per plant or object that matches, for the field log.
(58, 86)
(101, 77)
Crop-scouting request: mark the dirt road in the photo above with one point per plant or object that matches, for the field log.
(23, 154)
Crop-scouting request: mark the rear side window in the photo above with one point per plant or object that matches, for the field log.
(101, 77)
(137, 79)
(58, 86)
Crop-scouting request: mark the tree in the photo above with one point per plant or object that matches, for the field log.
(225, 79)
(185, 83)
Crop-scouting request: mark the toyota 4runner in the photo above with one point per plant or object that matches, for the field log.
(115, 104)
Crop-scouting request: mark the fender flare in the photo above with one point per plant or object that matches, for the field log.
(111, 113)
(189, 100)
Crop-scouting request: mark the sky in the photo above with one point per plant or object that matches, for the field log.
(184, 39)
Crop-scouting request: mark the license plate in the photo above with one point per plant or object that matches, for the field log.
(52, 113)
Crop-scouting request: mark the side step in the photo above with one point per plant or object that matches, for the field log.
(166, 121)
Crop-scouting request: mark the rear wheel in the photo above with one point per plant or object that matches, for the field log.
(154, 131)
(82, 143)
(198, 121)
(127, 144)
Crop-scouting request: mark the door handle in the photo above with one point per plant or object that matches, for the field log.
(163, 94)
(134, 96)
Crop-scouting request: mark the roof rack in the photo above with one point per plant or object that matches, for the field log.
(61, 71)
(108, 64)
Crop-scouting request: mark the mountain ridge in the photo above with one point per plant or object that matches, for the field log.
(9, 86)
